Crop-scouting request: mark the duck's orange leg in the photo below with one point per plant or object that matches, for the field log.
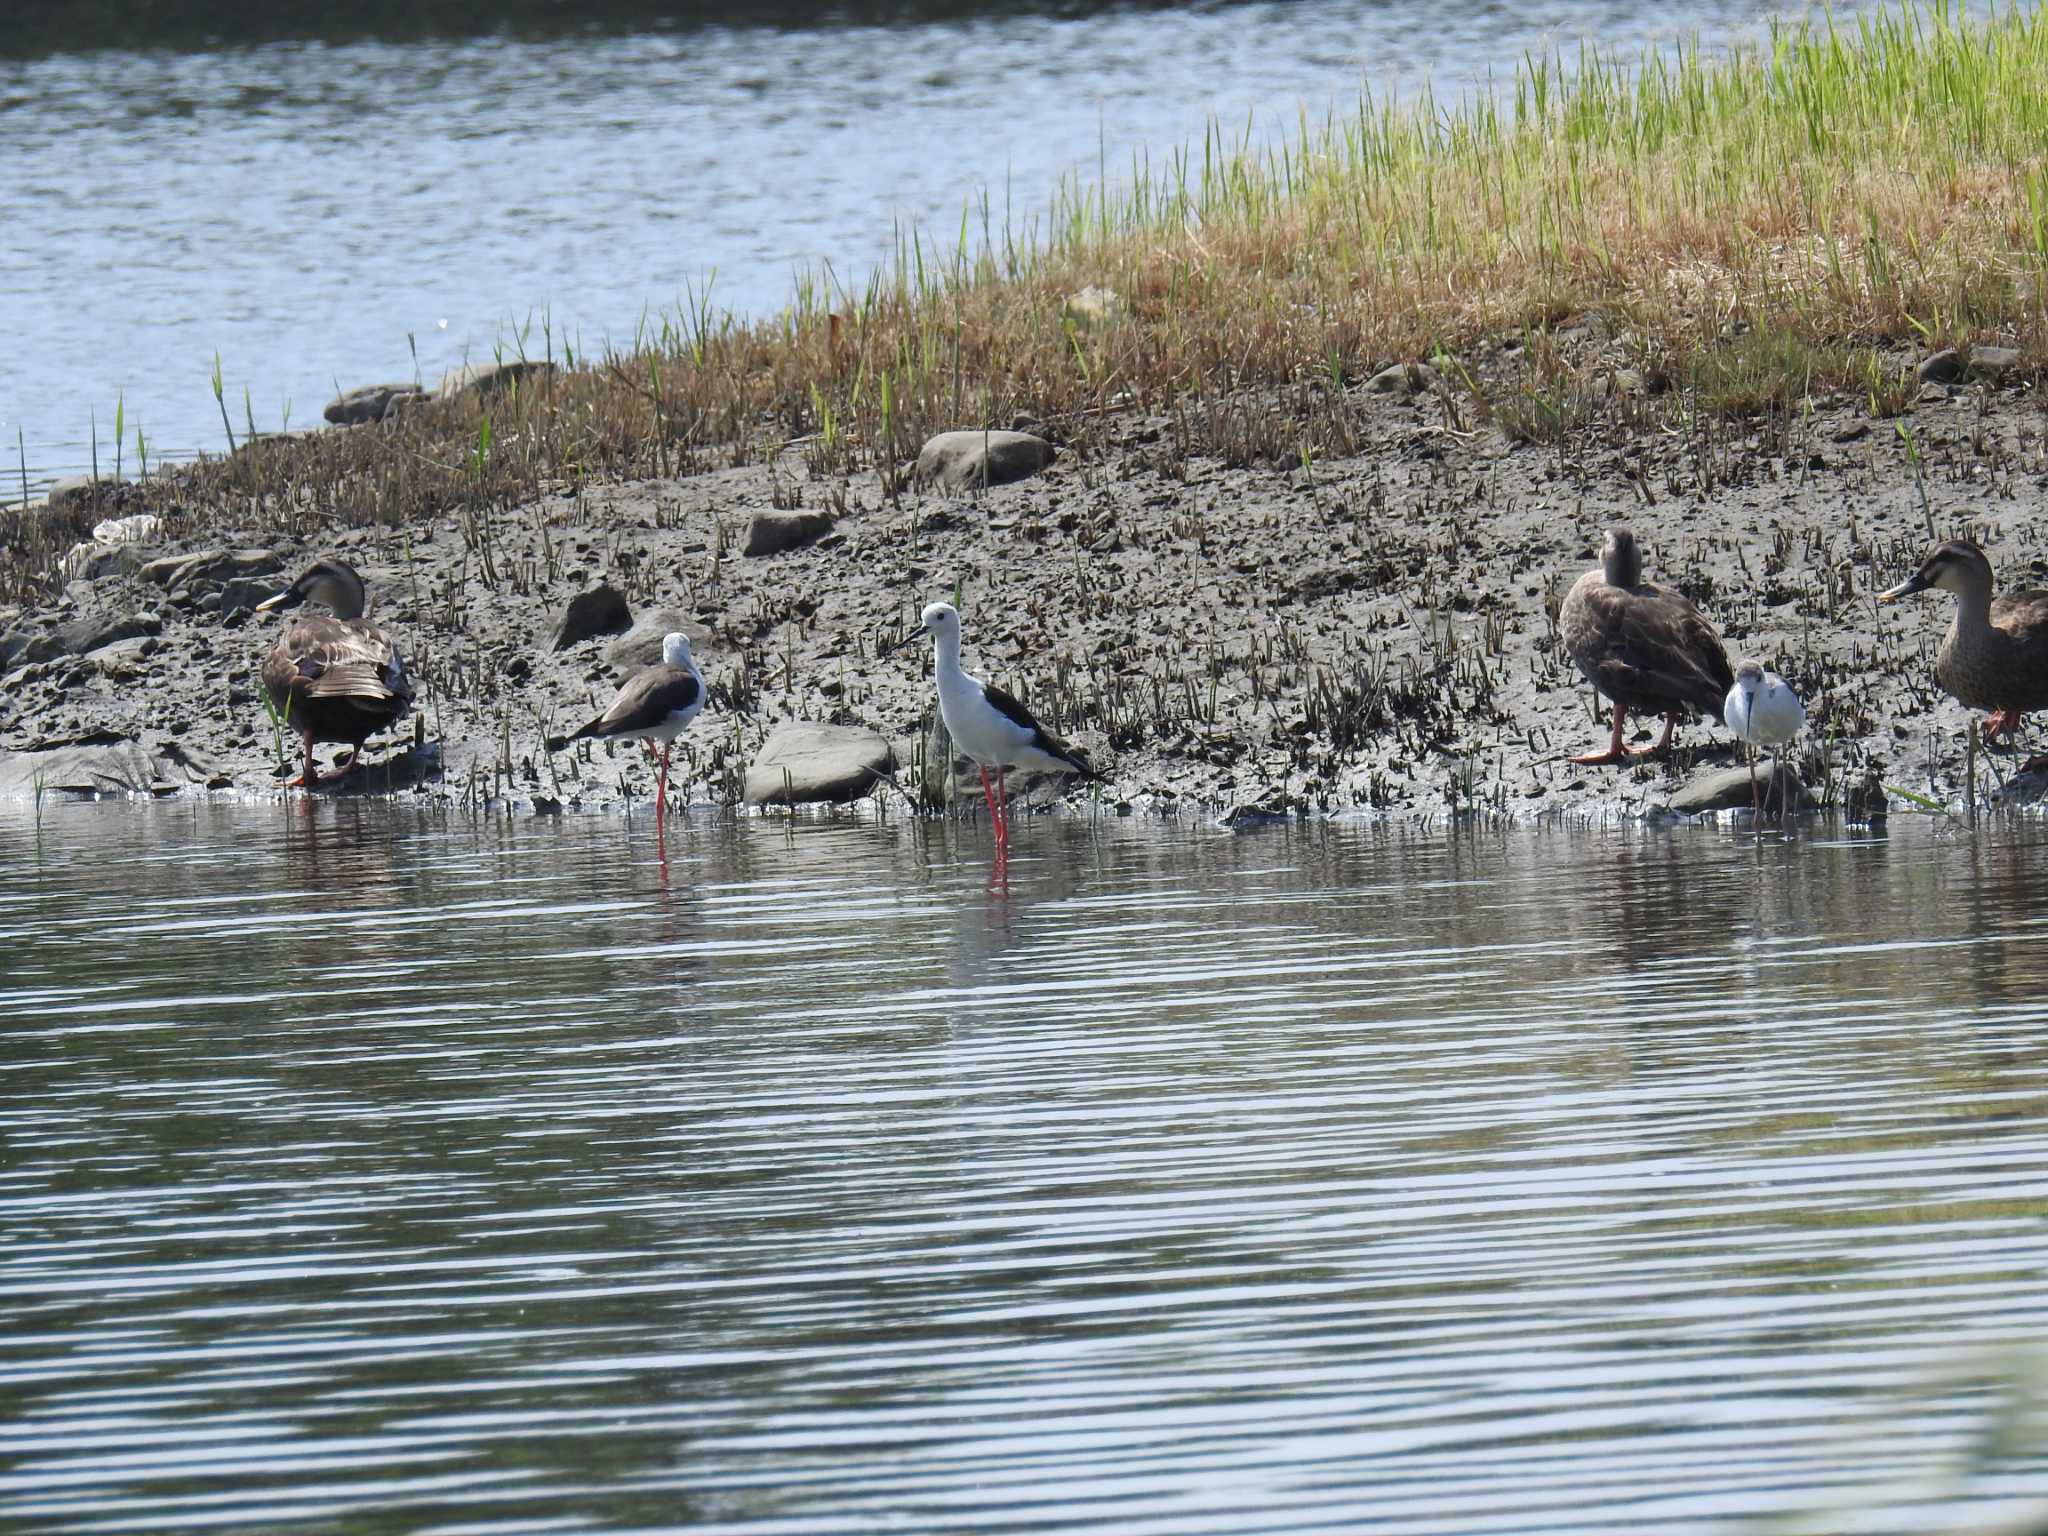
(1663, 744)
(1615, 752)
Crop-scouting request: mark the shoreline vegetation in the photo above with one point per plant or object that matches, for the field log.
(1337, 423)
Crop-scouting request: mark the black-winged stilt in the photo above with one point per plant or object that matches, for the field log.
(655, 704)
(1762, 711)
(986, 724)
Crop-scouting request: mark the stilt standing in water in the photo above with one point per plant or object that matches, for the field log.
(1646, 647)
(989, 726)
(655, 704)
(1762, 710)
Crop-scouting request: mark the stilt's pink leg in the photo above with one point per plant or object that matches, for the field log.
(661, 784)
(1003, 801)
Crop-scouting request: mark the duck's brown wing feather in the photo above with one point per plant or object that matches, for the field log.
(1649, 648)
(338, 673)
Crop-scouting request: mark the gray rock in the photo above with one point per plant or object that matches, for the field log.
(1094, 307)
(965, 461)
(241, 592)
(490, 378)
(1990, 362)
(366, 404)
(803, 764)
(1943, 367)
(599, 610)
(122, 658)
(97, 561)
(75, 491)
(213, 565)
(109, 768)
(640, 646)
(1402, 379)
(1727, 789)
(81, 636)
(770, 533)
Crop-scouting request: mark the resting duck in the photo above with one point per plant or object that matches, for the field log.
(1646, 647)
(332, 679)
(655, 704)
(1995, 654)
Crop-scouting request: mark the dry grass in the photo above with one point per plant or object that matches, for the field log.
(1795, 219)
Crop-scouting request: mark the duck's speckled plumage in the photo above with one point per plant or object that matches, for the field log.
(336, 678)
(1995, 654)
(1645, 646)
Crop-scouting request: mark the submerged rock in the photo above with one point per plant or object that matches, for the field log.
(965, 461)
(805, 764)
(1728, 789)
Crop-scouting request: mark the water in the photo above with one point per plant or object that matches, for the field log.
(384, 1172)
(315, 213)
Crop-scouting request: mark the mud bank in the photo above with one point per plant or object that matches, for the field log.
(1371, 633)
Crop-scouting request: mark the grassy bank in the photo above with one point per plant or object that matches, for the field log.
(1677, 239)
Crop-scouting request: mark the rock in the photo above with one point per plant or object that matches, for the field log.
(98, 768)
(242, 592)
(175, 571)
(76, 491)
(1727, 789)
(1990, 362)
(640, 646)
(1944, 367)
(1402, 379)
(489, 378)
(770, 533)
(599, 610)
(122, 658)
(82, 636)
(1094, 307)
(366, 404)
(803, 764)
(96, 561)
(965, 461)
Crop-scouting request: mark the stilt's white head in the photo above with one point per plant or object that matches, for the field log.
(675, 648)
(941, 620)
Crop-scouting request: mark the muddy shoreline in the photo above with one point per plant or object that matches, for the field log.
(1374, 633)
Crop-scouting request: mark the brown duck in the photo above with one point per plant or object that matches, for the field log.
(1995, 654)
(333, 679)
(1646, 647)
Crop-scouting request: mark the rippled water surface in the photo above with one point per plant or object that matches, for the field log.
(368, 1170)
(302, 210)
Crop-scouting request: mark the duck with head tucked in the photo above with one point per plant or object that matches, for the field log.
(1646, 647)
(333, 678)
(1995, 654)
